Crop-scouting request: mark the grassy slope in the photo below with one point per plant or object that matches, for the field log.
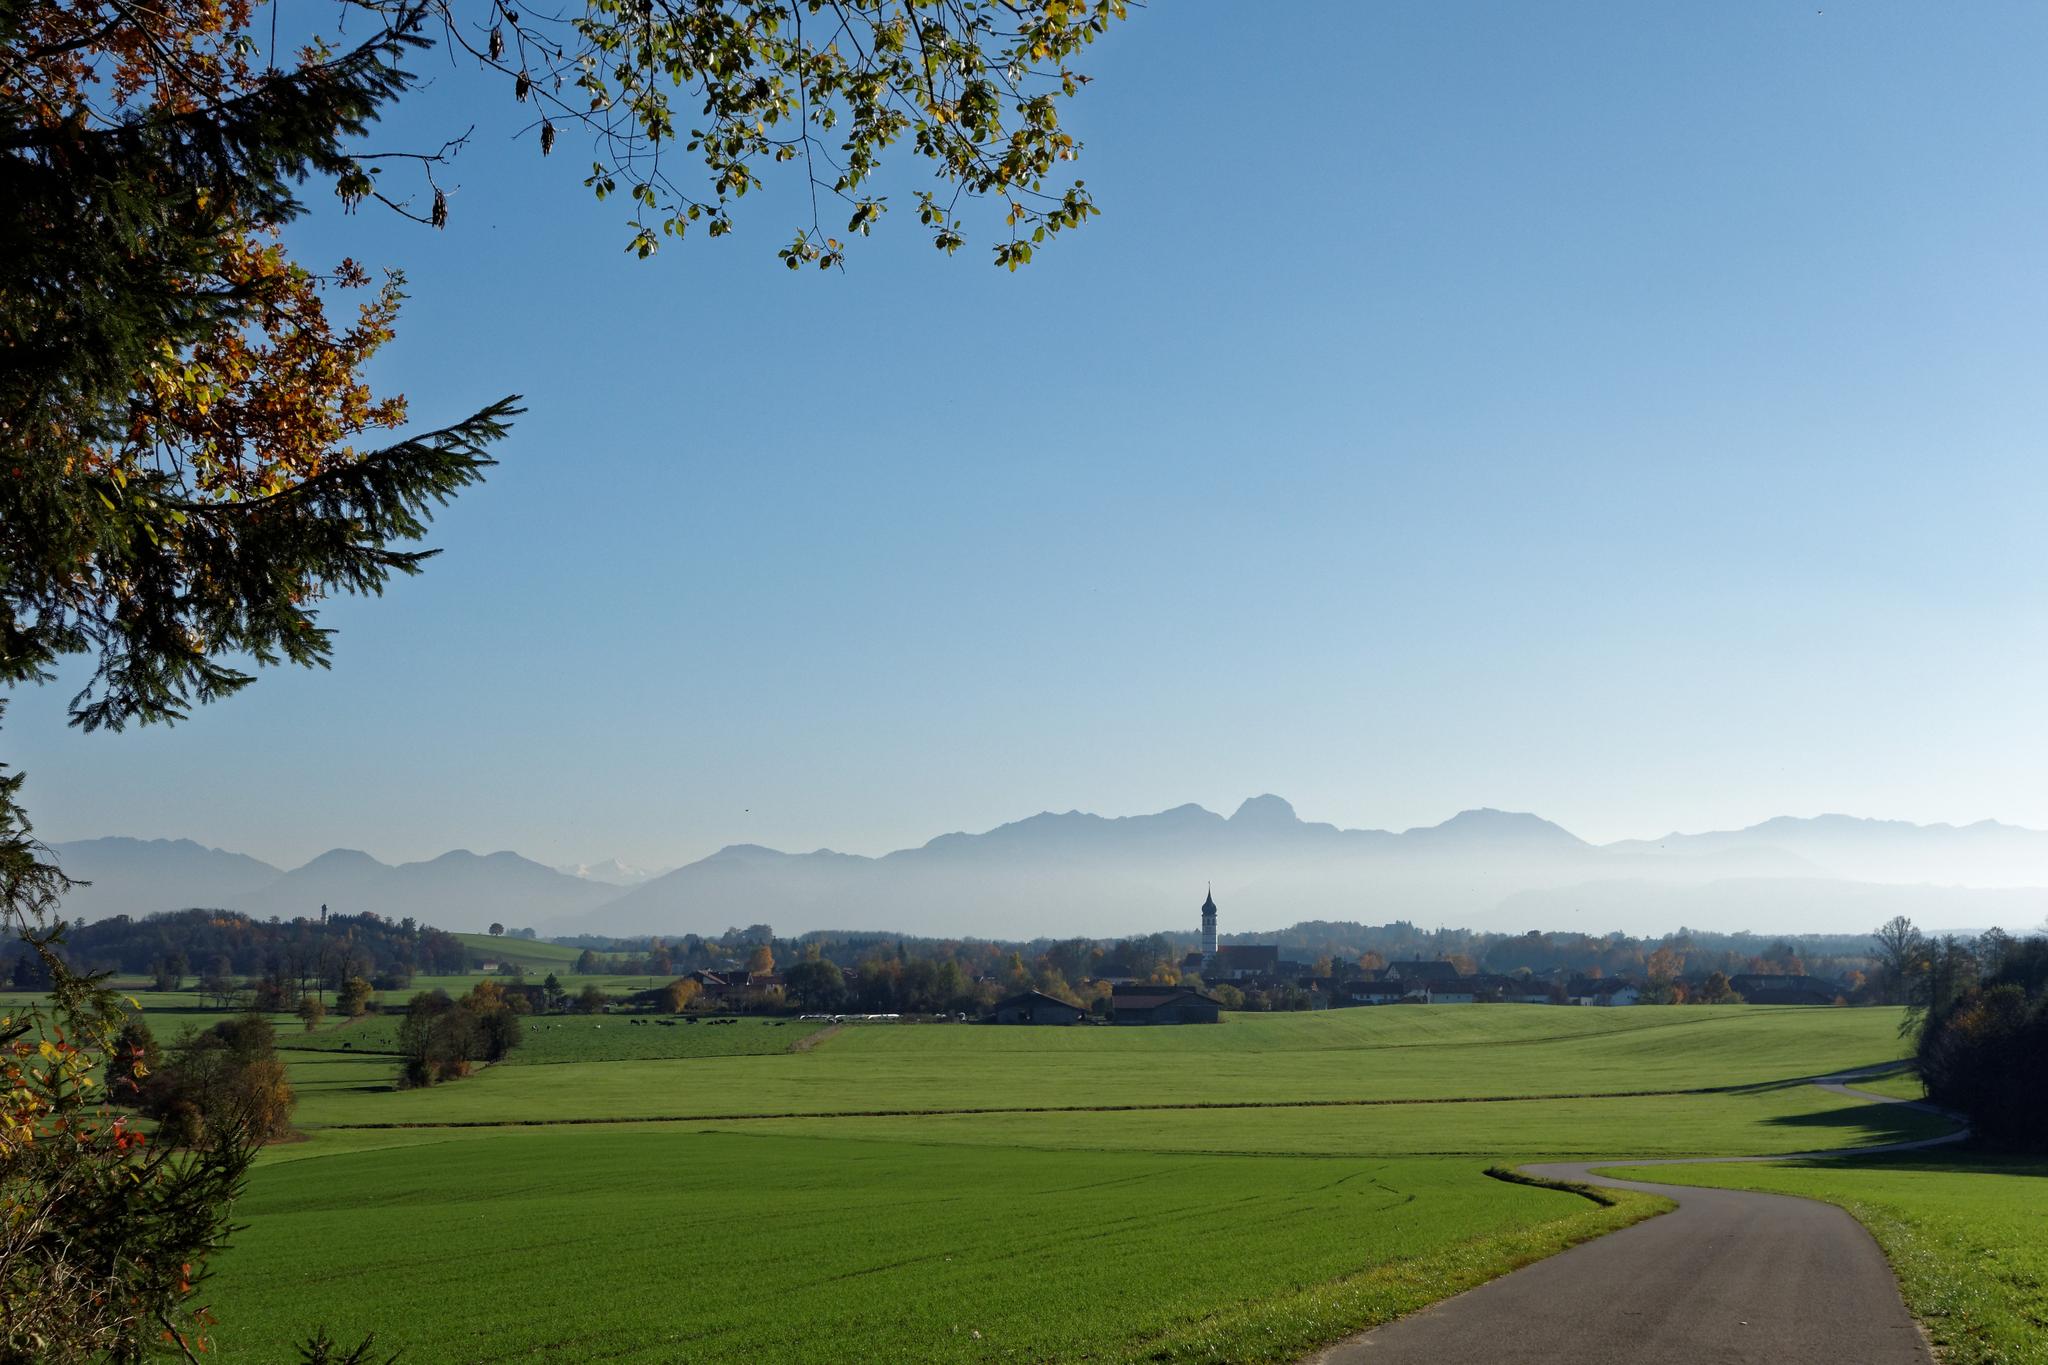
(589, 1038)
(678, 1244)
(1967, 1235)
(1903, 1086)
(1440, 1052)
(1787, 1119)
(531, 954)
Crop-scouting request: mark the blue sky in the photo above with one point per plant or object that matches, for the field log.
(1628, 413)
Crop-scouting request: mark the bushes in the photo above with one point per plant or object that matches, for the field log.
(224, 1081)
(441, 1038)
(353, 997)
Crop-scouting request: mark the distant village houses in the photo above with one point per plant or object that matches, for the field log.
(1124, 993)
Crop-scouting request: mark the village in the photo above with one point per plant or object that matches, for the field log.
(1220, 978)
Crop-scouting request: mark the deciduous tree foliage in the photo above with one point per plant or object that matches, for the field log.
(688, 102)
(220, 1087)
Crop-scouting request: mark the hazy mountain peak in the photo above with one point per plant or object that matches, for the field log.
(1486, 823)
(1266, 810)
(741, 852)
(335, 859)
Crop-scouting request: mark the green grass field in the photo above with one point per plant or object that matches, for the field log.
(589, 1038)
(1902, 1085)
(1504, 1051)
(531, 954)
(679, 1244)
(1245, 1192)
(1967, 1235)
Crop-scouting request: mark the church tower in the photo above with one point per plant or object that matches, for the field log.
(1209, 931)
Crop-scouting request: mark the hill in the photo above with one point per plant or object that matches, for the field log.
(532, 954)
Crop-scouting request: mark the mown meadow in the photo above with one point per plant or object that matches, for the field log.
(947, 1192)
(1343, 1056)
(588, 1037)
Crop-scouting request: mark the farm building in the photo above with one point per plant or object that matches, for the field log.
(1163, 1005)
(1036, 1007)
(1785, 990)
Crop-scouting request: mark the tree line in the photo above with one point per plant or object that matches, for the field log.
(1977, 1009)
(217, 947)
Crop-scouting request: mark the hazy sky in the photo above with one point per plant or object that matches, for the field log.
(1628, 413)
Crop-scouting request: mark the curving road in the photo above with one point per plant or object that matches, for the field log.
(1729, 1276)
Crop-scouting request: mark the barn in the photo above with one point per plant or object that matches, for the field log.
(1164, 1005)
(1036, 1007)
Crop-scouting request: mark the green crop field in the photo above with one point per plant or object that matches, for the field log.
(932, 1192)
(1504, 1051)
(589, 1038)
(691, 1245)
(1967, 1235)
(532, 954)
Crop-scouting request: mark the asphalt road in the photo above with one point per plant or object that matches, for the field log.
(1729, 1276)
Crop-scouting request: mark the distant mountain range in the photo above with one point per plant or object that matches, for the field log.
(1075, 873)
(458, 890)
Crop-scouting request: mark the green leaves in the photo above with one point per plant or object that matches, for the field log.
(974, 87)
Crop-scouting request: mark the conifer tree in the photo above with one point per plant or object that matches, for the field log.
(178, 489)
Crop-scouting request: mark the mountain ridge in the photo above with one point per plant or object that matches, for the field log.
(1080, 872)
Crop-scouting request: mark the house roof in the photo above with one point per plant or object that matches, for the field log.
(1165, 996)
(1037, 998)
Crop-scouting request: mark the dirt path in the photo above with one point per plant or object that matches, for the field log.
(1729, 1276)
